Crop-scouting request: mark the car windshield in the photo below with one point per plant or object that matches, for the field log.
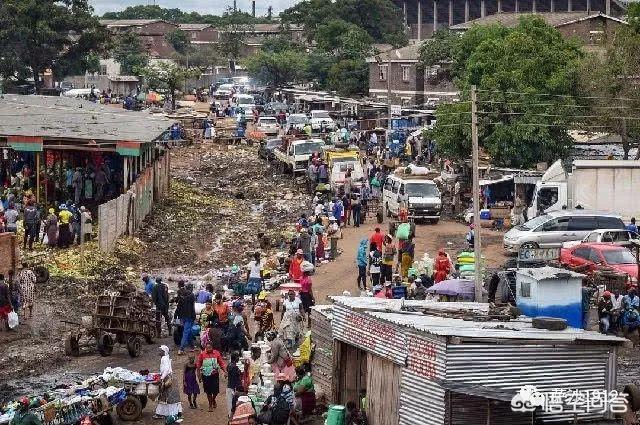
(534, 223)
(274, 143)
(267, 120)
(618, 256)
(344, 159)
(307, 148)
(422, 190)
(320, 114)
(298, 119)
(244, 100)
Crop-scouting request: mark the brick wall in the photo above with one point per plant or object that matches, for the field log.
(587, 30)
(8, 253)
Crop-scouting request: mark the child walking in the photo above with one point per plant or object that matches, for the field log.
(190, 382)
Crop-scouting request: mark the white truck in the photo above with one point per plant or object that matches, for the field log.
(322, 121)
(418, 194)
(293, 156)
(339, 174)
(602, 185)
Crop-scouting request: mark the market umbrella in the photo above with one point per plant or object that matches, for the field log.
(459, 287)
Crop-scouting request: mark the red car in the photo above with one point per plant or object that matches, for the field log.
(600, 255)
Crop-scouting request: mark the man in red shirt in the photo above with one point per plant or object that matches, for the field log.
(377, 238)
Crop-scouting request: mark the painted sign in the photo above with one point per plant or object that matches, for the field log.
(538, 254)
(25, 143)
(421, 356)
(128, 148)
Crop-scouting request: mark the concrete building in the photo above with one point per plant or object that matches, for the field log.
(423, 17)
(201, 33)
(152, 33)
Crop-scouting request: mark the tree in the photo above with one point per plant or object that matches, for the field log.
(167, 77)
(515, 71)
(129, 53)
(233, 33)
(608, 84)
(349, 77)
(176, 15)
(201, 57)
(37, 35)
(276, 69)
(381, 19)
(179, 40)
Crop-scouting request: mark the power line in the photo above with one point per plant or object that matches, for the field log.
(556, 115)
(557, 95)
(557, 105)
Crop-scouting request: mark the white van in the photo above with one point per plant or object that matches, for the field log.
(245, 101)
(420, 196)
(339, 174)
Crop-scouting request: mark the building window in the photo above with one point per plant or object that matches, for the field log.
(406, 101)
(525, 289)
(103, 70)
(194, 35)
(383, 72)
(405, 73)
(431, 71)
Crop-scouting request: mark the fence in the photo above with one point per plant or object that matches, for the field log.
(125, 214)
(8, 253)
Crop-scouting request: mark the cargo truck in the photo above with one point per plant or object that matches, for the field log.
(601, 185)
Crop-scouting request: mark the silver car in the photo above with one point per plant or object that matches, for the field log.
(551, 230)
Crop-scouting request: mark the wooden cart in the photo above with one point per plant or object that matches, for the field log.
(126, 319)
(138, 393)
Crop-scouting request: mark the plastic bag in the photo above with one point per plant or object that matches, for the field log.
(305, 349)
(404, 229)
(306, 266)
(12, 319)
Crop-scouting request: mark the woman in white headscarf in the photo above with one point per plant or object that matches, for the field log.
(169, 399)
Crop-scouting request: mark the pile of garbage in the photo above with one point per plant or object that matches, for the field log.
(223, 203)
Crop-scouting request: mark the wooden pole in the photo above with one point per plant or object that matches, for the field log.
(476, 195)
(37, 176)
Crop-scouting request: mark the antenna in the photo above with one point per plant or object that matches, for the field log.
(235, 6)
(269, 12)
(253, 8)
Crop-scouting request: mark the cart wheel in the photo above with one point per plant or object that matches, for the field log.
(134, 346)
(151, 336)
(130, 409)
(71, 347)
(143, 400)
(105, 345)
(42, 274)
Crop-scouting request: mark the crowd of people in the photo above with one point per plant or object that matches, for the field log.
(618, 312)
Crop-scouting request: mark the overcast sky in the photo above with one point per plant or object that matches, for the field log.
(201, 6)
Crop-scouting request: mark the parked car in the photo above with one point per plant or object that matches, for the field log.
(268, 125)
(266, 148)
(618, 237)
(296, 121)
(597, 255)
(418, 194)
(551, 230)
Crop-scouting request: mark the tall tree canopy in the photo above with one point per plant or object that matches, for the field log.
(608, 83)
(514, 70)
(381, 19)
(179, 16)
(167, 77)
(36, 35)
(179, 40)
(129, 53)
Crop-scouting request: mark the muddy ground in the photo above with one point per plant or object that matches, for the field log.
(220, 199)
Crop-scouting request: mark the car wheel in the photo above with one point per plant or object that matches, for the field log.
(529, 245)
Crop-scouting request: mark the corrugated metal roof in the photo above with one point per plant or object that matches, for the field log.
(194, 27)
(61, 117)
(543, 273)
(127, 22)
(515, 329)
(511, 19)
(396, 312)
(408, 53)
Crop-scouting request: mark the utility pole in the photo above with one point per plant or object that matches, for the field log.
(389, 98)
(477, 243)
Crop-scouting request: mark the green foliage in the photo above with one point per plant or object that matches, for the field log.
(167, 77)
(202, 57)
(178, 16)
(610, 77)
(440, 49)
(179, 40)
(281, 43)
(343, 39)
(35, 36)
(516, 130)
(381, 19)
(276, 69)
(233, 33)
(349, 77)
(129, 53)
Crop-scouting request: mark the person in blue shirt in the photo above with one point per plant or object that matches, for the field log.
(362, 259)
(632, 226)
(338, 208)
(149, 283)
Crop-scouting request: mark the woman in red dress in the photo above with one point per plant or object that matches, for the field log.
(442, 266)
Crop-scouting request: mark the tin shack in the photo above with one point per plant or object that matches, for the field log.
(418, 363)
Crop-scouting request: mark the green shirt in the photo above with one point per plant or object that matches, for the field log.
(25, 418)
(305, 383)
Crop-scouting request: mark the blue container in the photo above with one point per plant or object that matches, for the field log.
(399, 292)
(485, 215)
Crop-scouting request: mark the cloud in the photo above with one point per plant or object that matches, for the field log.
(200, 6)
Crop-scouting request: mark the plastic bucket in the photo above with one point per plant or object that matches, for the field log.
(335, 415)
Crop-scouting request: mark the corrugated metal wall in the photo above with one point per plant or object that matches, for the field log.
(548, 367)
(322, 361)
(466, 409)
(422, 401)
(362, 331)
